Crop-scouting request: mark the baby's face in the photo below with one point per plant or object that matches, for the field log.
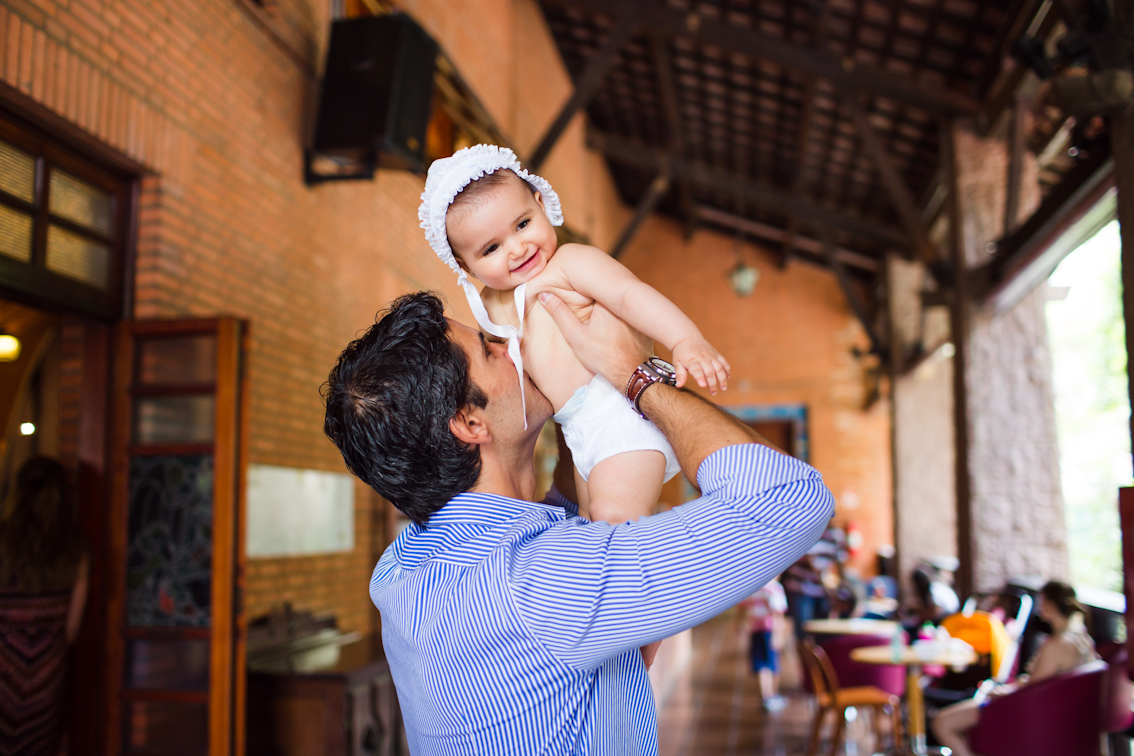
(504, 238)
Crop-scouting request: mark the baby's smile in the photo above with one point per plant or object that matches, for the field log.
(529, 264)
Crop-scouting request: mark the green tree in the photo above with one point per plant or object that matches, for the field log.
(1088, 348)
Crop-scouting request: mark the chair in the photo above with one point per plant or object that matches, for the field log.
(1117, 714)
(1059, 716)
(832, 697)
(852, 674)
(984, 632)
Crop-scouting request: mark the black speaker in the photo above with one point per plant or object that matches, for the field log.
(375, 100)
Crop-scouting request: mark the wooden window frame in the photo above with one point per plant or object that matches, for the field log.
(32, 282)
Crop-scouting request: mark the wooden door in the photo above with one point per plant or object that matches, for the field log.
(176, 629)
(779, 432)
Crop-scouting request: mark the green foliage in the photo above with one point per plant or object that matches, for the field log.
(1087, 338)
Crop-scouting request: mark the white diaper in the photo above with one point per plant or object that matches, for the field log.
(598, 423)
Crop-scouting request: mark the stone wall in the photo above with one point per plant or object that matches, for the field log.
(1017, 502)
(923, 426)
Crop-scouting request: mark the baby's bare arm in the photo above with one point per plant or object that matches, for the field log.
(597, 275)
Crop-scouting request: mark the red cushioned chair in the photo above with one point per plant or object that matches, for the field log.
(1059, 716)
(890, 678)
(1117, 714)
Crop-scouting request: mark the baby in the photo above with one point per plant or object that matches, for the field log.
(485, 215)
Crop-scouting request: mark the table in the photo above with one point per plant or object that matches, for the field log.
(913, 662)
(333, 698)
(854, 626)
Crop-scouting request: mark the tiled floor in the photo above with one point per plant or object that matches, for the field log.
(714, 707)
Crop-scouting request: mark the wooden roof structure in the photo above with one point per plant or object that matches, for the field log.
(811, 124)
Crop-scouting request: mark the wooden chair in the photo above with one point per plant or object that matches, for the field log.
(833, 698)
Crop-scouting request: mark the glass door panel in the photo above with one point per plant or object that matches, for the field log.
(178, 509)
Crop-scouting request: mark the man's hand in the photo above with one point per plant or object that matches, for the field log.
(604, 344)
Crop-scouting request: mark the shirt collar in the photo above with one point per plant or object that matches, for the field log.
(467, 528)
(484, 509)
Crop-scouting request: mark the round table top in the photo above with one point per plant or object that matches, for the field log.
(908, 655)
(853, 626)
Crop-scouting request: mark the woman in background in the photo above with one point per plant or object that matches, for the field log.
(43, 587)
(1067, 647)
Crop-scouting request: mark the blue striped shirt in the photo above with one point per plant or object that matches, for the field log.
(513, 627)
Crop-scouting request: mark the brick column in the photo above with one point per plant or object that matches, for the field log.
(1016, 502)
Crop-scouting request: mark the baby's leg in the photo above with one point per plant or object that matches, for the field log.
(625, 486)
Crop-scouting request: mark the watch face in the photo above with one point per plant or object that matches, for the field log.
(664, 369)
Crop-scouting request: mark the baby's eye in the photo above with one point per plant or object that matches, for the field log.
(524, 224)
(491, 249)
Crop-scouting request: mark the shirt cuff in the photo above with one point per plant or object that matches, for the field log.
(753, 468)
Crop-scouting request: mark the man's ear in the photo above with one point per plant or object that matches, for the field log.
(469, 427)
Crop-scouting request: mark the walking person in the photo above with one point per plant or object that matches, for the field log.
(44, 572)
(763, 612)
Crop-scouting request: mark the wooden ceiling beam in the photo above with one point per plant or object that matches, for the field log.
(844, 73)
(1070, 213)
(818, 34)
(586, 87)
(646, 205)
(1020, 12)
(845, 283)
(1002, 91)
(1017, 136)
(773, 234)
(769, 197)
(899, 192)
(663, 70)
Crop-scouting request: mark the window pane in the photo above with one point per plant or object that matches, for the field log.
(167, 727)
(169, 547)
(173, 419)
(17, 172)
(76, 257)
(80, 202)
(180, 359)
(168, 664)
(15, 234)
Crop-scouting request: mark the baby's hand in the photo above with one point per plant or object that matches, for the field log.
(696, 357)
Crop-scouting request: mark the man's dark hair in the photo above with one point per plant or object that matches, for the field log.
(389, 400)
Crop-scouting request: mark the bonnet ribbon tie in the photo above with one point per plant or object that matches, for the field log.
(509, 332)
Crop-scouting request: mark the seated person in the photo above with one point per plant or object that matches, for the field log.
(1067, 647)
(879, 603)
(934, 599)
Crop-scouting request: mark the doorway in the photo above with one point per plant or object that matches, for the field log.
(785, 425)
(30, 377)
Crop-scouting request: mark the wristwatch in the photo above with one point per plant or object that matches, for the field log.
(653, 370)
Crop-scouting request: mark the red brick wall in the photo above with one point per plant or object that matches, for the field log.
(213, 96)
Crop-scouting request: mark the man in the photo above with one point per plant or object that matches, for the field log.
(512, 626)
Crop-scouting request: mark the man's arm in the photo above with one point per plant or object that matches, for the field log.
(590, 591)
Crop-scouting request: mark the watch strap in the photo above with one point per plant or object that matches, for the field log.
(641, 379)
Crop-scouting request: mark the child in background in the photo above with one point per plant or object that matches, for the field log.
(764, 613)
(486, 216)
